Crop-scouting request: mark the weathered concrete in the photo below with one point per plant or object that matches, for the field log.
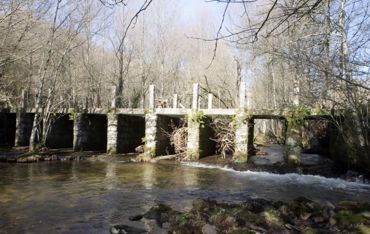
(199, 133)
(293, 144)
(150, 134)
(7, 129)
(241, 137)
(24, 128)
(60, 134)
(112, 133)
(90, 132)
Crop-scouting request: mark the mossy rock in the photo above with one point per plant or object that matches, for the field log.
(346, 217)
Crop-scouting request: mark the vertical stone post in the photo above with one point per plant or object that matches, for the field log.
(175, 101)
(112, 133)
(79, 132)
(210, 100)
(296, 92)
(23, 99)
(151, 97)
(293, 144)
(242, 93)
(194, 127)
(195, 102)
(150, 127)
(113, 94)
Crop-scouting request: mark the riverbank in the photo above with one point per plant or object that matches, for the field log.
(21, 155)
(255, 216)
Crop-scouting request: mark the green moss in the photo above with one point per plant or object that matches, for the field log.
(363, 229)
(347, 217)
(271, 217)
(240, 157)
(193, 155)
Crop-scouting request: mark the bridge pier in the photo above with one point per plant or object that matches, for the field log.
(244, 136)
(199, 133)
(150, 135)
(293, 143)
(90, 132)
(112, 133)
(23, 130)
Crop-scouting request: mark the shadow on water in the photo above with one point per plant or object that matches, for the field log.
(88, 197)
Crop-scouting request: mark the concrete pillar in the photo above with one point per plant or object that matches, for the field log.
(175, 101)
(151, 97)
(193, 145)
(296, 92)
(23, 99)
(113, 94)
(293, 144)
(210, 100)
(24, 123)
(242, 138)
(112, 133)
(150, 135)
(195, 102)
(242, 93)
(79, 133)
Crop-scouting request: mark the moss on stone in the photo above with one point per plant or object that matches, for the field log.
(346, 217)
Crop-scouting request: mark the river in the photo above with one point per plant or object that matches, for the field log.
(89, 197)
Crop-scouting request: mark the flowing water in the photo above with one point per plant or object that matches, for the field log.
(88, 197)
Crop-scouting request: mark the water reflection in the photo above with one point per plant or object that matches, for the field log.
(85, 197)
(110, 176)
(148, 175)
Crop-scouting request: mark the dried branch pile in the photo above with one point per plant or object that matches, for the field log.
(224, 136)
(178, 136)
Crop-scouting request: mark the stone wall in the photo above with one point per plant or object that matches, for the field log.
(7, 129)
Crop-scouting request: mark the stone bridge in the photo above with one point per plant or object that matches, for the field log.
(117, 130)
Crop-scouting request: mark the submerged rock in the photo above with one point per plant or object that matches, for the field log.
(124, 229)
(260, 216)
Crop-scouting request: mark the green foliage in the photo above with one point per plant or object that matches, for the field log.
(241, 118)
(73, 114)
(144, 140)
(347, 217)
(296, 116)
(196, 117)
